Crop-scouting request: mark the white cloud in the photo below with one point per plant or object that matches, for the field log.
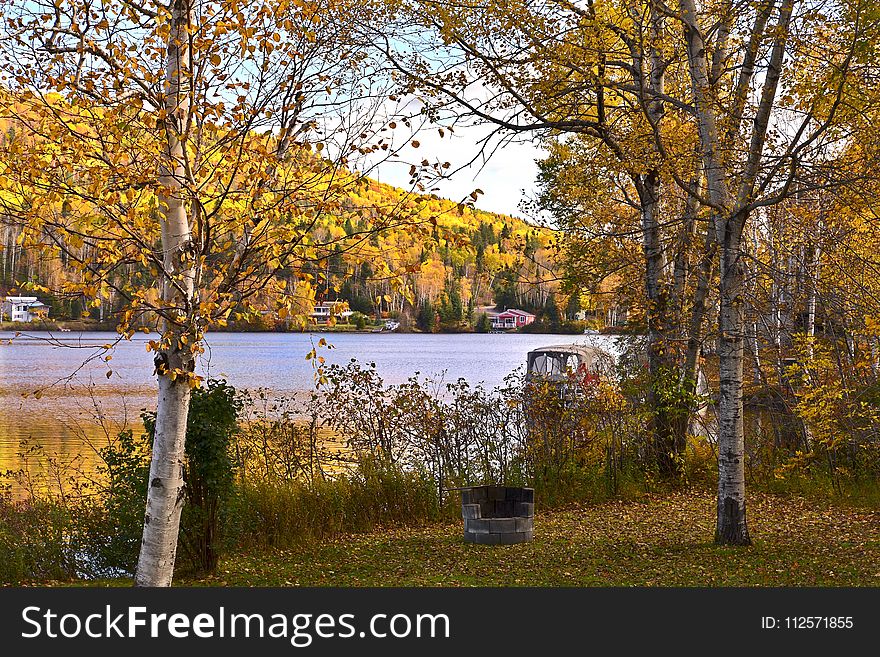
(506, 175)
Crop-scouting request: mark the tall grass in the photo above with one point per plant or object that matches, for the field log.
(43, 540)
(287, 513)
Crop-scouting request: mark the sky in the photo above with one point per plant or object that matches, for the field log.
(506, 176)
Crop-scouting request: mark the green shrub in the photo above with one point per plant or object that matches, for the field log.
(115, 539)
(208, 471)
(359, 320)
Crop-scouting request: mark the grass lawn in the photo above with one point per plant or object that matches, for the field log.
(656, 541)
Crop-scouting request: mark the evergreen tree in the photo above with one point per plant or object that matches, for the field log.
(504, 290)
(574, 306)
(336, 264)
(484, 325)
(487, 232)
(425, 316)
(455, 302)
(550, 314)
(451, 308)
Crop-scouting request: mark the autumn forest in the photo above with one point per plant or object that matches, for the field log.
(707, 194)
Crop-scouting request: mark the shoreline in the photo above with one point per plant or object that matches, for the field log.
(74, 326)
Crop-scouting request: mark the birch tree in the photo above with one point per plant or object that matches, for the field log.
(184, 155)
(759, 121)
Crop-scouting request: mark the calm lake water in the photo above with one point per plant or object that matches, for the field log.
(77, 393)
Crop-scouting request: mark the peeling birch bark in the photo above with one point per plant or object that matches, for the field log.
(165, 493)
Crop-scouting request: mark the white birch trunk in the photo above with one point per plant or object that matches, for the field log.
(731, 528)
(813, 277)
(875, 357)
(705, 273)
(814, 294)
(165, 492)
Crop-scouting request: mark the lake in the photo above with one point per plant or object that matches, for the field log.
(81, 404)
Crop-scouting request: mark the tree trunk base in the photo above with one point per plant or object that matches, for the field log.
(732, 528)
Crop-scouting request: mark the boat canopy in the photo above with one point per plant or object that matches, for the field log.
(556, 362)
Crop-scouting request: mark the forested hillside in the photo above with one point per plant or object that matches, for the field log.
(385, 251)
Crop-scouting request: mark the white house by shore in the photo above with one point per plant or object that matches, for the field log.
(322, 312)
(23, 309)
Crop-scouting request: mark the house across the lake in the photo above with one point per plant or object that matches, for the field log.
(322, 312)
(512, 318)
(23, 309)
